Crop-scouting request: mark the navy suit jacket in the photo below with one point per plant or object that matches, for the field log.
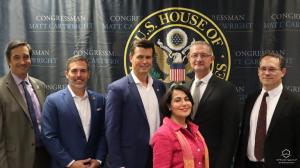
(283, 133)
(218, 116)
(63, 133)
(127, 128)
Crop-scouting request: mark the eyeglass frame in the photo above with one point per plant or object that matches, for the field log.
(269, 69)
(200, 55)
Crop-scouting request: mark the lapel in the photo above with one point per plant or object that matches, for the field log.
(70, 104)
(94, 109)
(157, 89)
(136, 95)
(15, 92)
(208, 91)
(38, 91)
(159, 93)
(248, 110)
(283, 100)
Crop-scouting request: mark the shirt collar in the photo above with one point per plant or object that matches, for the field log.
(174, 126)
(205, 79)
(75, 96)
(274, 92)
(19, 80)
(137, 81)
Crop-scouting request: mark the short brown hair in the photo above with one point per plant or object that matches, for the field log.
(282, 61)
(77, 58)
(15, 44)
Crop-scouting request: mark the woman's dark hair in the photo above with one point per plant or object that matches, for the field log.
(167, 98)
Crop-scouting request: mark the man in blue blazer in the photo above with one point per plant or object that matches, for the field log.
(132, 111)
(73, 121)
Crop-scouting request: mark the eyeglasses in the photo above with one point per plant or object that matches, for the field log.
(200, 55)
(271, 69)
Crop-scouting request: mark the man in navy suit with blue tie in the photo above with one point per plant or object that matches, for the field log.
(132, 111)
(73, 121)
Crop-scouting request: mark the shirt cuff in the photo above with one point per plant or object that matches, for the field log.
(99, 161)
(69, 165)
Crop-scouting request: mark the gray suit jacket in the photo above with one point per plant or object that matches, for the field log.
(17, 141)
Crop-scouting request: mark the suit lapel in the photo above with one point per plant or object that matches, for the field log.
(15, 92)
(159, 93)
(278, 110)
(94, 109)
(136, 95)
(38, 91)
(157, 89)
(247, 112)
(208, 91)
(69, 101)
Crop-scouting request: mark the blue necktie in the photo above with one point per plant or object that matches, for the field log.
(32, 114)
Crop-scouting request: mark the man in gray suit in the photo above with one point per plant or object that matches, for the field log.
(21, 99)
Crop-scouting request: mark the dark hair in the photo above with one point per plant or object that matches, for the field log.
(77, 58)
(166, 101)
(143, 43)
(274, 55)
(15, 44)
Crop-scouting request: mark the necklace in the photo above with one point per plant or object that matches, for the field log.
(185, 126)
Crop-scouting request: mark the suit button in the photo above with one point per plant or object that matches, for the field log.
(32, 144)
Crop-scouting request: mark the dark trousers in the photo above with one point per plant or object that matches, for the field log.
(150, 158)
(42, 158)
(251, 164)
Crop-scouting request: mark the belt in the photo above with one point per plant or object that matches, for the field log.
(251, 164)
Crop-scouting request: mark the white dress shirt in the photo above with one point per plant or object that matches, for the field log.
(272, 101)
(84, 109)
(150, 104)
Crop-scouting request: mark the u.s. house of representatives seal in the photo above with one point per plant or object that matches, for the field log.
(173, 30)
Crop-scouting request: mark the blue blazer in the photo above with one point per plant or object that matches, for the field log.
(127, 128)
(63, 133)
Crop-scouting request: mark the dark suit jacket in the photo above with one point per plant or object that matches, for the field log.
(127, 128)
(218, 117)
(283, 134)
(63, 133)
(17, 138)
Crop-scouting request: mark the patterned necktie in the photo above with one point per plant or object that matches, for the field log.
(196, 98)
(32, 114)
(261, 129)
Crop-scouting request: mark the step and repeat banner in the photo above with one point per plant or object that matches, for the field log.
(102, 30)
